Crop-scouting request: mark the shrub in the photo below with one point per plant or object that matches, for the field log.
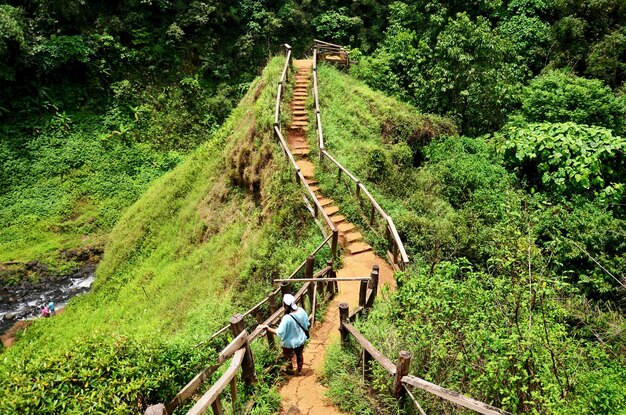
(566, 158)
(559, 96)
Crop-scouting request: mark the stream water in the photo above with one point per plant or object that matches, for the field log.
(24, 301)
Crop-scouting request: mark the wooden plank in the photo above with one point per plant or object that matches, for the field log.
(256, 307)
(320, 133)
(321, 42)
(396, 236)
(190, 388)
(336, 163)
(453, 396)
(376, 355)
(373, 201)
(214, 392)
(237, 343)
(352, 317)
(322, 279)
(277, 111)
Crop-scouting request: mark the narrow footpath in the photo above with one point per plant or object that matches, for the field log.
(304, 394)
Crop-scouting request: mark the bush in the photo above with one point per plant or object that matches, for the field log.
(566, 158)
(559, 96)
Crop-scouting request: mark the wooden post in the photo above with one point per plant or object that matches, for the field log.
(270, 337)
(308, 273)
(363, 293)
(233, 392)
(367, 365)
(358, 190)
(217, 407)
(372, 215)
(402, 369)
(330, 287)
(339, 175)
(272, 300)
(344, 312)
(395, 252)
(333, 244)
(247, 366)
(284, 289)
(374, 286)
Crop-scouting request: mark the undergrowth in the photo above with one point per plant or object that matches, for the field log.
(491, 306)
(201, 244)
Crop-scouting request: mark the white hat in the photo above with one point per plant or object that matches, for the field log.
(290, 301)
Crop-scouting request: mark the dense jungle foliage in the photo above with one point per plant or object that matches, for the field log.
(510, 197)
(516, 291)
(191, 252)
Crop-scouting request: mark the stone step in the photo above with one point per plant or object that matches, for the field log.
(300, 152)
(331, 210)
(314, 188)
(353, 236)
(300, 118)
(345, 227)
(304, 128)
(357, 247)
(324, 201)
(311, 182)
(299, 111)
(299, 124)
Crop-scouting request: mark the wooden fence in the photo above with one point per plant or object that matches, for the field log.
(311, 201)
(402, 381)
(316, 288)
(395, 248)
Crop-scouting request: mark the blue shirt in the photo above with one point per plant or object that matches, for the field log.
(291, 335)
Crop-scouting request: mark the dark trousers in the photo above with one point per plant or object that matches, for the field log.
(288, 354)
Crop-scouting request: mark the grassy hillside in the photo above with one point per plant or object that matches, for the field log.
(499, 303)
(201, 242)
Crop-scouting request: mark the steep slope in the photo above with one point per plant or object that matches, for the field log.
(205, 238)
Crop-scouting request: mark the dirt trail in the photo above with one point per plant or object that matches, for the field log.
(304, 394)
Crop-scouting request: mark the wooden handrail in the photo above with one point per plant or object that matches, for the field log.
(453, 396)
(340, 167)
(237, 343)
(321, 42)
(394, 231)
(377, 355)
(212, 394)
(277, 111)
(190, 388)
(396, 241)
(320, 208)
(285, 148)
(400, 371)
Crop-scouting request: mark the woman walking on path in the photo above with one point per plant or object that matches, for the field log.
(293, 332)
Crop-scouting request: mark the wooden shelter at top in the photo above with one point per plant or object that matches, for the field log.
(330, 52)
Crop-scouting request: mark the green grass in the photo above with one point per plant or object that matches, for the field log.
(201, 244)
(491, 304)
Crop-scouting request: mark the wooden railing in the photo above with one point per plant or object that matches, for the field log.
(395, 247)
(311, 201)
(318, 286)
(332, 53)
(400, 371)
